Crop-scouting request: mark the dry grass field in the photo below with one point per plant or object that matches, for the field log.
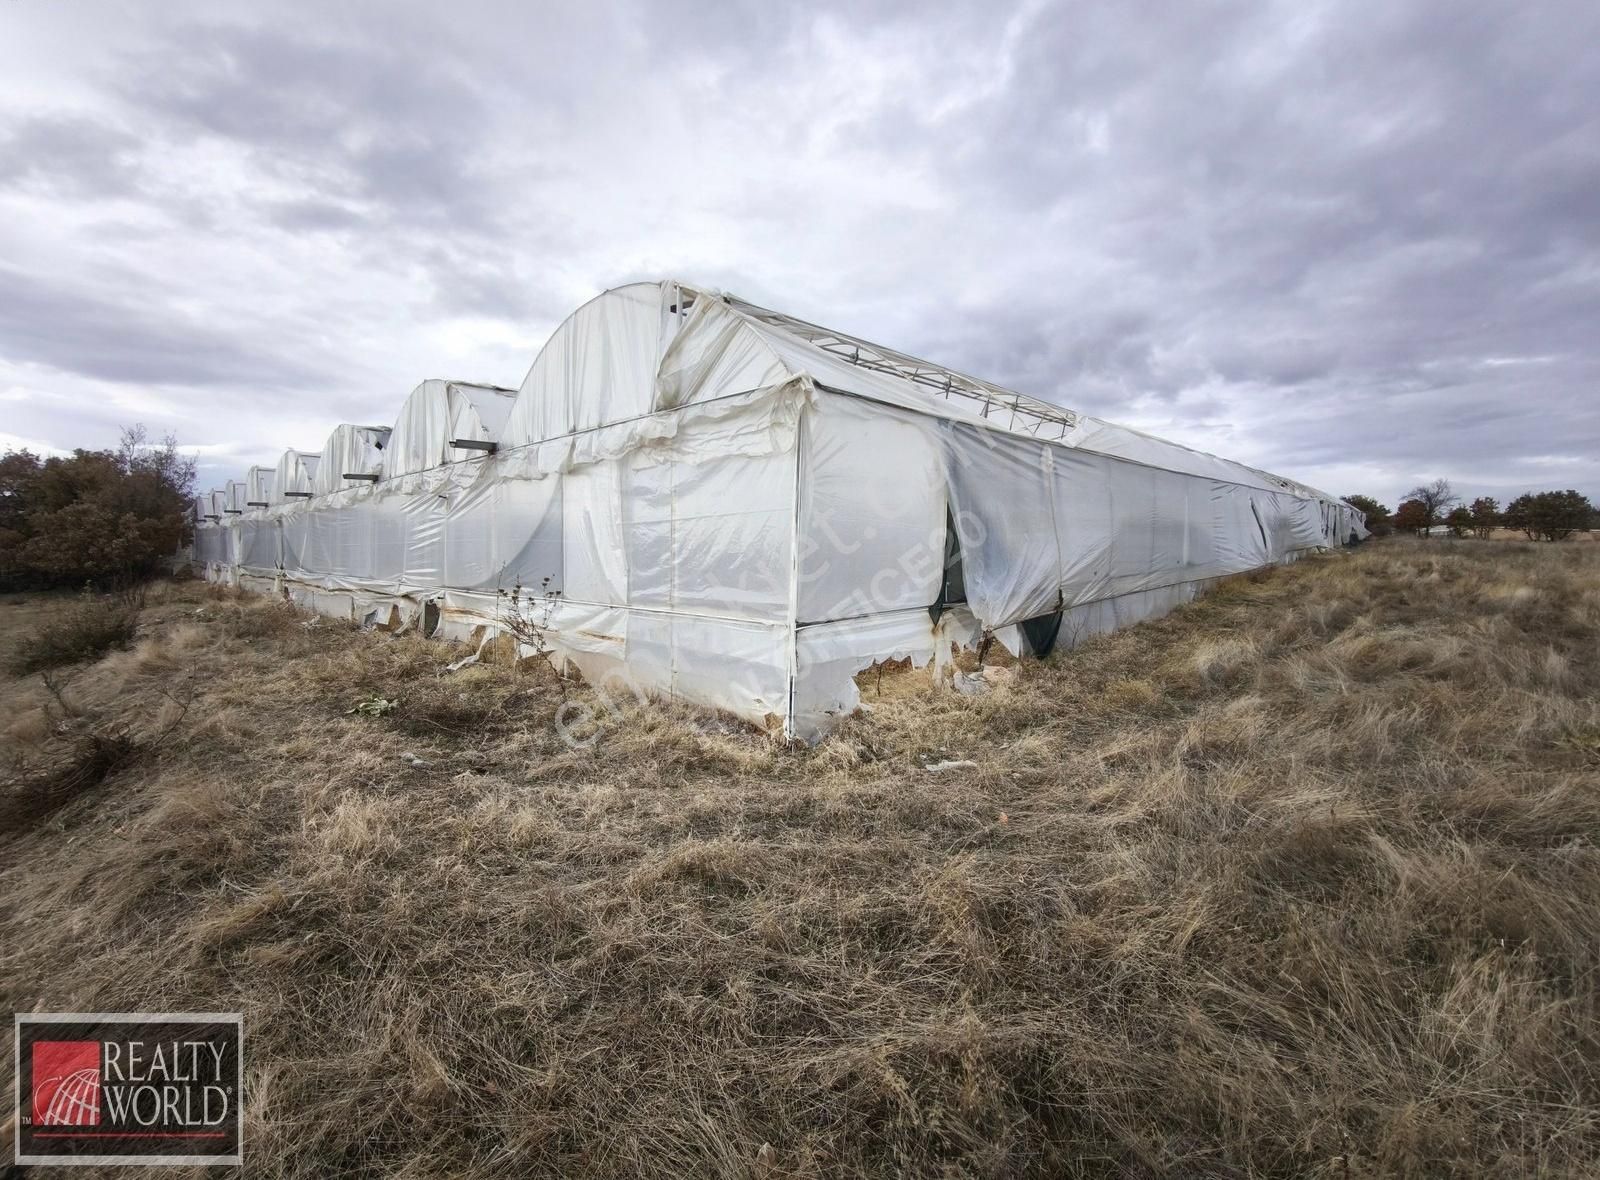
(1300, 881)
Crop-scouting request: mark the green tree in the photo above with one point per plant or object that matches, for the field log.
(1550, 516)
(1485, 514)
(1459, 521)
(98, 517)
(1377, 515)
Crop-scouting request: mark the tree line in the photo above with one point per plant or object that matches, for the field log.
(1540, 516)
(105, 519)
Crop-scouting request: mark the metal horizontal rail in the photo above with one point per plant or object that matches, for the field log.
(1015, 411)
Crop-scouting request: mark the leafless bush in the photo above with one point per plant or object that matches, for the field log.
(526, 616)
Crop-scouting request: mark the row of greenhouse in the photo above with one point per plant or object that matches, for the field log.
(703, 498)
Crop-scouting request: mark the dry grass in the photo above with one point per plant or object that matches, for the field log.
(73, 635)
(1302, 880)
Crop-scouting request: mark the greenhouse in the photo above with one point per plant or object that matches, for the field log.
(295, 477)
(259, 483)
(690, 495)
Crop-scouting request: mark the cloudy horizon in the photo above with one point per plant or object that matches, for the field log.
(1359, 246)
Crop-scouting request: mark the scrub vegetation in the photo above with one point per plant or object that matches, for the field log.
(90, 628)
(105, 519)
(1301, 880)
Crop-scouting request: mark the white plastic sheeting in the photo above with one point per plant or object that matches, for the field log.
(296, 476)
(708, 499)
(349, 450)
(259, 486)
(212, 540)
(441, 412)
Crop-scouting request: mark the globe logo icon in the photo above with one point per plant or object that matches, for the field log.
(76, 1101)
(66, 1083)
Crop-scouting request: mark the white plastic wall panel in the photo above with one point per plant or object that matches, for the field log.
(872, 511)
(293, 529)
(1010, 561)
(1307, 524)
(379, 535)
(1110, 527)
(1240, 531)
(1081, 623)
(423, 519)
(471, 559)
(828, 655)
(258, 544)
(731, 664)
(712, 536)
(208, 544)
(315, 552)
(505, 535)
(528, 536)
(1122, 527)
(594, 552)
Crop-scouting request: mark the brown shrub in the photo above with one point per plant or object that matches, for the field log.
(31, 796)
(85, 632)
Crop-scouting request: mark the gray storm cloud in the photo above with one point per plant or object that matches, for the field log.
(1358, 244)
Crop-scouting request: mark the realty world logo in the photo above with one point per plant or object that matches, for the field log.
(129, 1088)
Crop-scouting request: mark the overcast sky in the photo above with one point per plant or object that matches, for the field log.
(1357, 244)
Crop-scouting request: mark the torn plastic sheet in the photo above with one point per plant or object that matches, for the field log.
(350, 450)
